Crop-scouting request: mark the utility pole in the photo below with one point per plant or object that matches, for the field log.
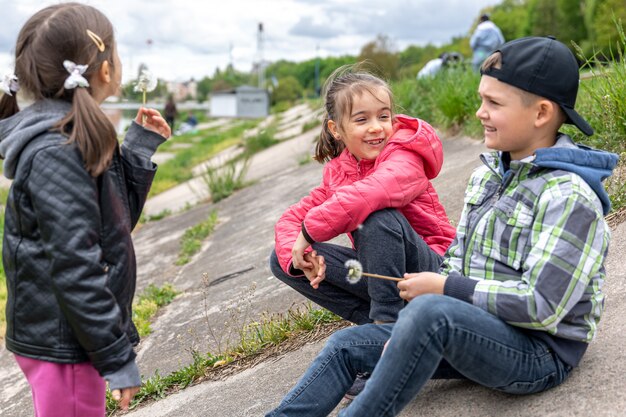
(261, 63)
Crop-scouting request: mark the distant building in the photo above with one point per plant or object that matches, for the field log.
(244, 101)
(182, 91)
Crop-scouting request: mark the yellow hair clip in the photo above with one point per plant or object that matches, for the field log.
(96, 39)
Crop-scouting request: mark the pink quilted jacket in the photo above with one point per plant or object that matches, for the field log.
(351, 191)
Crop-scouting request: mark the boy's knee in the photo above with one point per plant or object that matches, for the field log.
(429, 308)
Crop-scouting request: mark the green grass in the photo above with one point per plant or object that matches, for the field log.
(148, 304)
(268, 331)
(192, 239)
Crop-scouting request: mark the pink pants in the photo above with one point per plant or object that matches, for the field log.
(64, 390)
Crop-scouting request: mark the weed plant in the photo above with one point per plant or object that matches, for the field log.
(148, 304)
(223, 181)
(263, 140)
(192, 239)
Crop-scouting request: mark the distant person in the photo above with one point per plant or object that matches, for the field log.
(486, 38)
(191, 119)
(189, 125)
(434, 66)
(519, 295)
(376, 189)
(74, 201)
(170, 111)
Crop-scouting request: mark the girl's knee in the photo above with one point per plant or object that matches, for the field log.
(380, 220)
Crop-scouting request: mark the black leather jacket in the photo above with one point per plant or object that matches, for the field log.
(68, 253)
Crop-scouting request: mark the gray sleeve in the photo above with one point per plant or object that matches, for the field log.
(125, 377)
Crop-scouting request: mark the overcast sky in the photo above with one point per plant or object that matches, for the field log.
(190, 38)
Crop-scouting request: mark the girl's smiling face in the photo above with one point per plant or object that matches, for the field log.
(367, 128)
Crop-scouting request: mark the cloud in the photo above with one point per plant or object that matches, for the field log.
(308, 28)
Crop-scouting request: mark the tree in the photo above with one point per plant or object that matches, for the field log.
(381, 55)
(608, 15)
(542, 18)
(288, 89)
(511, 16)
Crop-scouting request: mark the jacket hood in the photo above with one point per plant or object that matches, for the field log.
(421, 138)
(18, 130)
(593, 165)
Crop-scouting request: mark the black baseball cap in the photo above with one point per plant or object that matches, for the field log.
(545, 67)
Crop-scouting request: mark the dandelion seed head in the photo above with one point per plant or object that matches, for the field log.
(355, 271)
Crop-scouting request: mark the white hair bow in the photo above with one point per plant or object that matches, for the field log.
(9, 84)
(76, 78)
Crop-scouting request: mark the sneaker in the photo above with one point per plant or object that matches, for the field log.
(357, 386)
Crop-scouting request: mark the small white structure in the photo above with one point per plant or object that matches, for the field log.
(244, 101)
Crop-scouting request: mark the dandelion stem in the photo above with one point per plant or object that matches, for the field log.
(382, 277)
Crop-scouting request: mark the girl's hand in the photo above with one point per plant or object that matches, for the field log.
(297, 253)
(316, 274)
(421, 283)
(124, 396)
(151, 119)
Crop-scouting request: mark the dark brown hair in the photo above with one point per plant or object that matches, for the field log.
(52, 35)
(339, 91)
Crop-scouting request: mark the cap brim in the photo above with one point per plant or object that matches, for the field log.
(577, 120)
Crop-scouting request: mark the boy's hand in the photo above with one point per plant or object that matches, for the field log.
(124, 396)
(316, 274)
(421, 283)
(151, 119)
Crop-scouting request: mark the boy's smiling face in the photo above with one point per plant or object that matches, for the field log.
(509, 122)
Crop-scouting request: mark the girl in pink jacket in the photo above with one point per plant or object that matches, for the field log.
(376, 188)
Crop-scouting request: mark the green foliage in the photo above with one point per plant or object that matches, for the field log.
(288, 90)
(192, 239)
(608, 21)
(448, 100)
(602, 101)
(511, 16)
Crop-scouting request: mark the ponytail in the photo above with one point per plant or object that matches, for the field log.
(91, 130)
(327, 146)
(8, 106)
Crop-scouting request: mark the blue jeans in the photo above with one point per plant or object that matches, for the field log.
(386, 244)
(435, 337)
